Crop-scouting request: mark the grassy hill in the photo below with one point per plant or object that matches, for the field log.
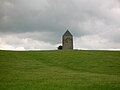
(60, 70)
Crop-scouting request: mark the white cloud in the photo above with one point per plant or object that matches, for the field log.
(12, 42)
(26, 42)
(94, 42)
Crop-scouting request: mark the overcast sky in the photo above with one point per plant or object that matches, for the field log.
(40, 24)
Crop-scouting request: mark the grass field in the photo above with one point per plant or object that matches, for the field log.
(60, 70)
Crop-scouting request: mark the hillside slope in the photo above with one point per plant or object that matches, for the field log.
(59, 70)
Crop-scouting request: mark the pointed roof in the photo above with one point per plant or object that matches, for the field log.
(67, 33)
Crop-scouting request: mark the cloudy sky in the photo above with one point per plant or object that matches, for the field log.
(40, 24)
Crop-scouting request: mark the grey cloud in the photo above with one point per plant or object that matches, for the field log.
(47, 20)
(57, 16)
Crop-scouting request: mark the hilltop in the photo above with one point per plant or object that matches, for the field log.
(60, 70)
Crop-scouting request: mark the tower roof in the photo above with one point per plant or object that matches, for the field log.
(67, 33)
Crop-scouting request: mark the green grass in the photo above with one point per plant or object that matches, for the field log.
(60, 70)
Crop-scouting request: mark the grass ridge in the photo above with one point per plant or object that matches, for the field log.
(60, 70)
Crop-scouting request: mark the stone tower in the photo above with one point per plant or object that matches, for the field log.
(67, 41)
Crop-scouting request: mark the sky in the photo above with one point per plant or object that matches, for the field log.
(40, 24)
